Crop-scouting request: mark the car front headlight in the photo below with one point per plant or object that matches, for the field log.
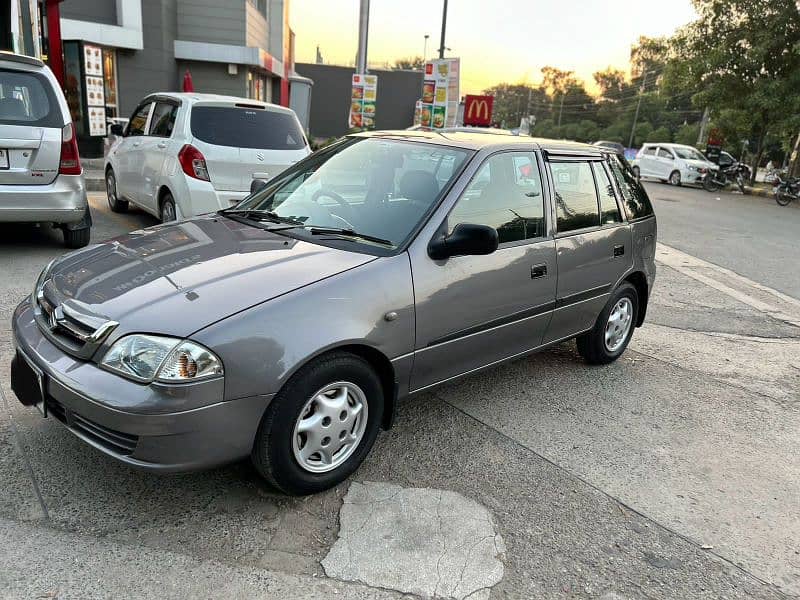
(146, 358)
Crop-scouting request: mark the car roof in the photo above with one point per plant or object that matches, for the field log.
(20, 58)
(481, 140)
(196, 98)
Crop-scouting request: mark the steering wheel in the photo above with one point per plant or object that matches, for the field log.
(348, 210)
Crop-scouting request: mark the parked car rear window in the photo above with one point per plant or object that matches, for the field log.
(576, 196)
(28, 99)
(247, 128)
(637, 204)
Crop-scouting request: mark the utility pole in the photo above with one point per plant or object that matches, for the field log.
(794, 165)
(561, 109)
(702, 136)
(363, 34)
(425, 49)
(638, 106)
(444, 27)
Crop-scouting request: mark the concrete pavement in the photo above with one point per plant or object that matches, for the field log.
(669, 474)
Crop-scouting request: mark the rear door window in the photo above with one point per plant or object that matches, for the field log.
(575, 196)
(609, 211)
(138, 122)
(247, 127)
(163, 119)
(637, 204)
(28, 99)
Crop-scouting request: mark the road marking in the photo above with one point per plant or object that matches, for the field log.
(771, 302)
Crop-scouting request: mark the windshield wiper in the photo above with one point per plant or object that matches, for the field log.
(266, 215)
(343, 231)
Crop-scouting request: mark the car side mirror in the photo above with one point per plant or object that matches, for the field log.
(117, 129)
(465, 240)
(257, 185)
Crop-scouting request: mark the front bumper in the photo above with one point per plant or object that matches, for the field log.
(140, 425)
(62, 201)
(690, 176)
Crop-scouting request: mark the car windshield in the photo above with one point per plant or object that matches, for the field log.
(361, 188)
(689, 154)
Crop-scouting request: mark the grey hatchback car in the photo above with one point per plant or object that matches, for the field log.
(288, 327)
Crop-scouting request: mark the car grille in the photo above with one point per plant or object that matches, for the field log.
(67, 328)
(110, 439)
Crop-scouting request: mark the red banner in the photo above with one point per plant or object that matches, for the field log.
(478, 110)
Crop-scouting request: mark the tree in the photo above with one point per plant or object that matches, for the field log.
(687, 134)
(745, 56)
(612, 83)
(511, 102)
(410, 63)
(649, 56)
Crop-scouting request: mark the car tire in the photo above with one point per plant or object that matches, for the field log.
(77, 238)
(114, 203)
(675, 178)
(167, 212)
(637, 173)
(281, 452)
(594, 346)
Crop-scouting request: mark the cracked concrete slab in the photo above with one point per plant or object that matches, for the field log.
(434, 543)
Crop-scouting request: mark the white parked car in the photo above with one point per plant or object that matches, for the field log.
(674, 163)
(41, 180)
(184, 154)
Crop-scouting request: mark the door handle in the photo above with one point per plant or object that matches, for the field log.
(538, 271)
(619, 250)
(162, 144)
(135, 144)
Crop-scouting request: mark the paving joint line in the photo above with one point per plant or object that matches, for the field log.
(628, 507)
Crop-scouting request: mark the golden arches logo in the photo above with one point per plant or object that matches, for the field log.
(478, 109)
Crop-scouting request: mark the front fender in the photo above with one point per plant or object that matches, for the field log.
(262, 347)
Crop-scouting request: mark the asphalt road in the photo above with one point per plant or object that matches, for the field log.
(669, 474)
(748, 234)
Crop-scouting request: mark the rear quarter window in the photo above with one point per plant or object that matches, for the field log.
(28, 99)
(637, 204)
(244, 127)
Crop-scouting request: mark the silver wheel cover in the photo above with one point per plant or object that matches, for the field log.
(330, 427)
(619, 323)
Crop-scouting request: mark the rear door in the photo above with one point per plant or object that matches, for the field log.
(128, 154)
(156, 146)
(593, 243)
(647, 161)
(31, 124)
(242, 142)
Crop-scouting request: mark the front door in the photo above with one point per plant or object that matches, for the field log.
(666, 162)
(129, 157)
(475, 310)
(593, 244)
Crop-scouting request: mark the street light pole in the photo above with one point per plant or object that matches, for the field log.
(363, 33)
(425, 49)
(638, 106)
(444, 27)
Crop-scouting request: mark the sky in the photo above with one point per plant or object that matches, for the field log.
(497, 40)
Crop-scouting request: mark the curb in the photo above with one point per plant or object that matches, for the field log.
(94, 181)
(763, 192)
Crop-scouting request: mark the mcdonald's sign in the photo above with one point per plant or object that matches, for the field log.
(478, 110)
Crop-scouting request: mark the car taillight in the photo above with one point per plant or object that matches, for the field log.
(70, 162)
(702, 170)
(193, 162)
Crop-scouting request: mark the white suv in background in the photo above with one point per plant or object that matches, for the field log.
(40, 172)
(184, 154)
(674, 163)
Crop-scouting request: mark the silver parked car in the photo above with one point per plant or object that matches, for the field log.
(288, 327)
(40, 171)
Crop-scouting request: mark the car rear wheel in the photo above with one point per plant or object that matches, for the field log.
(114, 203)
(675, 178)
(637, 173)
(321, 425)
(613, 330)
(168, 212)
(77, 238)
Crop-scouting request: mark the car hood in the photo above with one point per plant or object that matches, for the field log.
(177, 278)
(700, 164)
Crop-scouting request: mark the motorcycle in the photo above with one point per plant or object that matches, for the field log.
(720, 178)
(786, 190)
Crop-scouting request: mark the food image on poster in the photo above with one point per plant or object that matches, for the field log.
(97, 121)
(417, 111)
(425, 115)
(92, 60)
(444, 69)
(363, 96)
(441, 95)
(428, 91)
(439, 116)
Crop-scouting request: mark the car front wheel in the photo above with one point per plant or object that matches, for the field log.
(637, 173)
(613, 330)
(114, 202)
(321, 425)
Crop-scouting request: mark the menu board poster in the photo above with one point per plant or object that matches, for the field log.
(95, 91)
(97, 120)
(363, 97)
(92, 60)
(440, 90)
